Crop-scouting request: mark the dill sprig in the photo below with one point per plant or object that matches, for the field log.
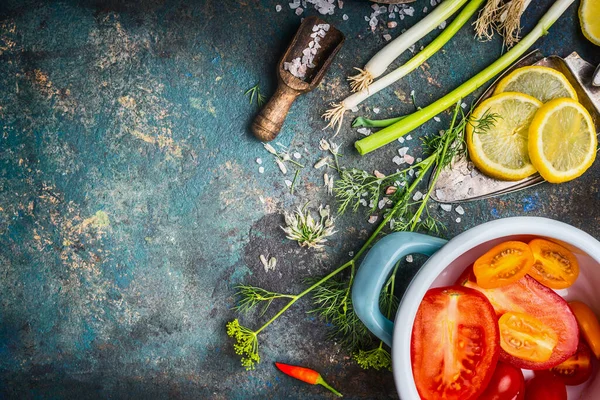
(254, 92)
(251, 296)
(332, 300)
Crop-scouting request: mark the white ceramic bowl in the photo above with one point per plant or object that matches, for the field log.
(445, 266)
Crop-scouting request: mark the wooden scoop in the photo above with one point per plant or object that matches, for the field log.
(268, 122)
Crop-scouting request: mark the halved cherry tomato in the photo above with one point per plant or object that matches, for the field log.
(577, 369)
(504, 264)
(526, 337)
(454, 345)
(555, 266)
(589, 325)
(531, 297)
(544, 386)
(507, 384)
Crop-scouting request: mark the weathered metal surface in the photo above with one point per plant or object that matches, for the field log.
(130, 199)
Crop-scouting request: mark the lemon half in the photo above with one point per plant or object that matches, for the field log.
(543, 83)
(589, 18)
(562, 140)
(502, 150)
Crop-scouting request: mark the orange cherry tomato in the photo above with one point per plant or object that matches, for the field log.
(588, 325)
(577, 369)
(554, 266)
(526, 337)
(504, 264)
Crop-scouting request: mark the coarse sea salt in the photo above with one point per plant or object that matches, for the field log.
(261, 170)
(401, 139)
(402, 151)
(409, 159)
(372, 219)
(278, 7)
(297, 155)
(259, 160)
(459, 210)
(437, 119)
(458, 220)
(398, 160)
(446, 207)
(376, 110)
(409, 258)
(299, 66)
(345, 17)
(409, 137)
(364, 131)
(288, 183)
(417, 196)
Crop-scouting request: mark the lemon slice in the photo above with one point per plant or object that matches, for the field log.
(501, 151)
(589, 18)
(543, 83)
(562, 140)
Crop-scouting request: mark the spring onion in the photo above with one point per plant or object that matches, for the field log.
(384, 57)
(335, 115)
(418, 118)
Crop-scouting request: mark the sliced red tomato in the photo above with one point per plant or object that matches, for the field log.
(528, 296)
(545, 386)
(555, 266)
(507, 383)
(503, 264)
(454, 346)
(577, 369)
(589, 325)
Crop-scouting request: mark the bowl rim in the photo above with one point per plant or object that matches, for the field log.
(423, 279)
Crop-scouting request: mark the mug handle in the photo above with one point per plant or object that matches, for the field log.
(373, 274)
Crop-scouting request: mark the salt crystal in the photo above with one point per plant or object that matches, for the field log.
(446, 207)
(459, 210)
(437, 119)
(363, 202)
(281, 166)
(261, 170)
(259, 160)
(392, 24)
(412, 48)
(419, 159)
(372, 219)
(340, 4)
(401, 139)
(442, 25)
(432, 3)
(463, 105)
(371, 204)
(402, 151)
(392, 16)
(364, 131)
(278, 7)
(409, 137)
(409, 258)
(375, 7)
(383, 9)
(409, 159)
(376, 110)
(390, 190)
(409, 11)
(411, 172)
(345, 17)
(418, 195)
(315, 28)
(382, 203)
(288, 183)
(294, 4)
(424, 9)
(418, 173)
(458, 220)
(397, 160)
(387, 37)
(297, 155)
(378, 174)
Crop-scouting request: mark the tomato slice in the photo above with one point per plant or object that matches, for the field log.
(454, 345)
(528, 296)
(577, 369)
(507, 384)
(544, 386)
(555, 266)
(588, 324)
(504, 264)
(526, 337)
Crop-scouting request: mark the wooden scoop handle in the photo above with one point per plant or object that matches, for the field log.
(268, 122)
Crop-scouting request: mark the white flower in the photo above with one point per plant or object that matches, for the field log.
(302, 227)
(270, 148)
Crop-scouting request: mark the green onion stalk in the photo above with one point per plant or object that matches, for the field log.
(335, 115)
(413, 121)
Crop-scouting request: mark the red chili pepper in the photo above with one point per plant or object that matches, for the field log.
(305, 375)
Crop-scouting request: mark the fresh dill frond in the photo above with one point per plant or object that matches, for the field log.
(333, 303)
(254, 92)
(377, 358)
(246, 343)
(251, 296)
(486, 122)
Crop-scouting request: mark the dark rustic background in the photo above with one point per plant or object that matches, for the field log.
(130, 199)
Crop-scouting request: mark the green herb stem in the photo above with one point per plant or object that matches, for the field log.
(375, 123)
